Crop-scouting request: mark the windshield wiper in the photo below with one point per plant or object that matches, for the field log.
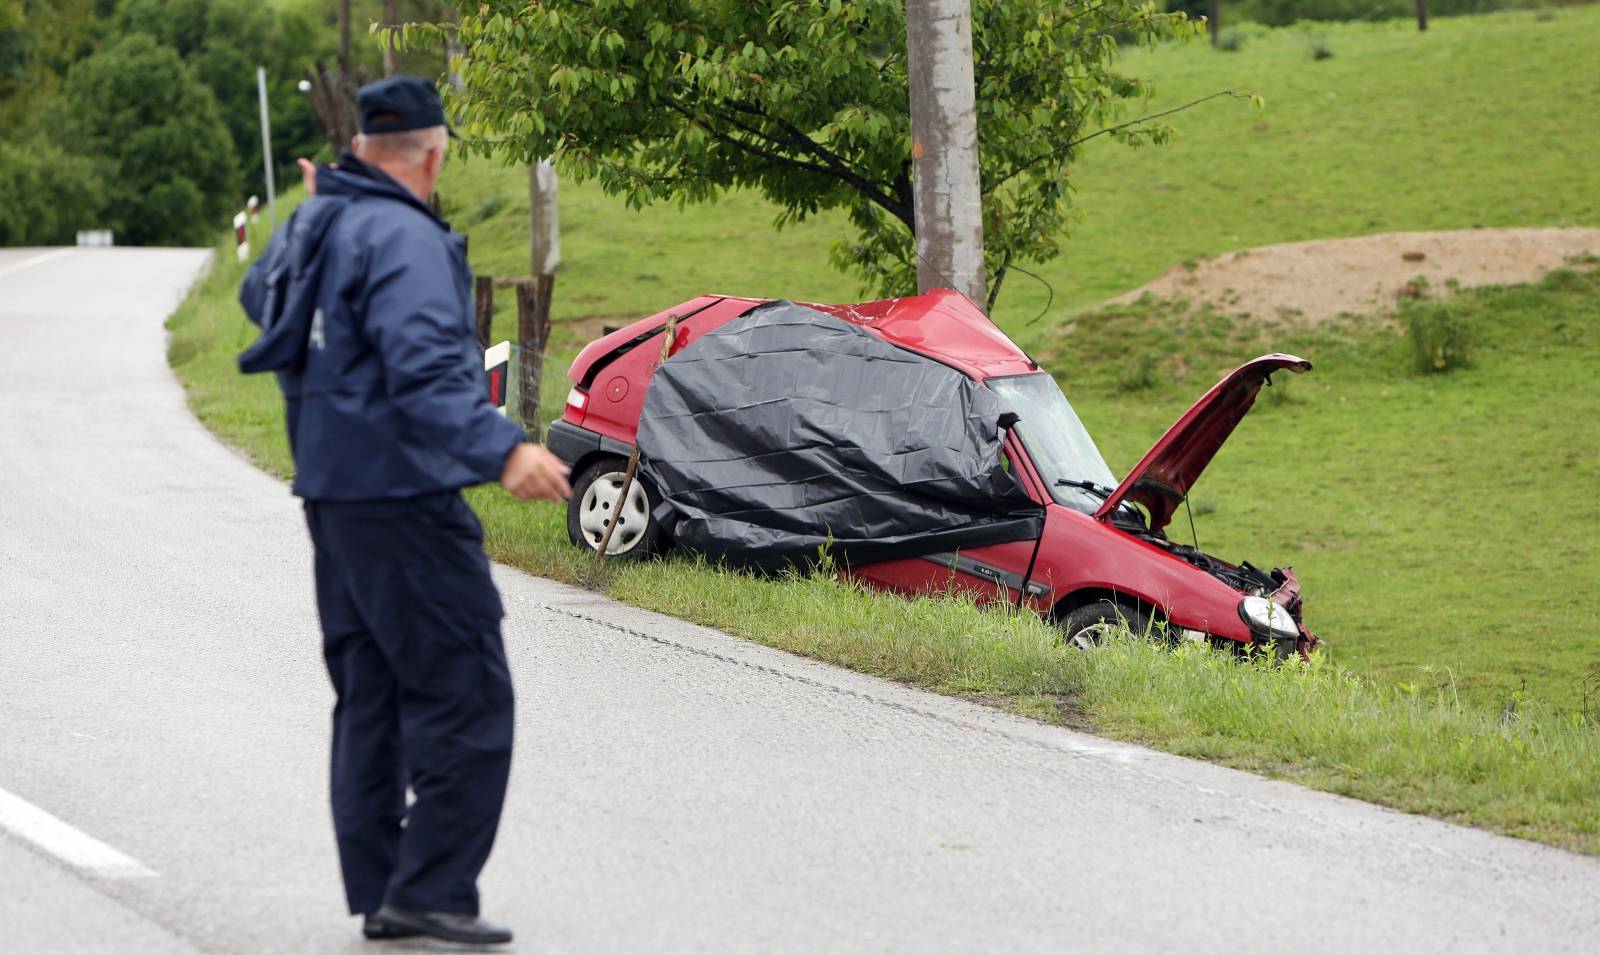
(1099, 490)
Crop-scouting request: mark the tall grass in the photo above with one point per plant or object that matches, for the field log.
(1532, 775)
(1420, 749)
(1439, 335)
(1532, 772)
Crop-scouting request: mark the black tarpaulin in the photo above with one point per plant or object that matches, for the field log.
(786, 428)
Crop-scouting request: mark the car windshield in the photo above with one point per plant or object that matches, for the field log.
(1056, 440)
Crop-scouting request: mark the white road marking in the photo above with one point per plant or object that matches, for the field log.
(77, 849)
(36, 260)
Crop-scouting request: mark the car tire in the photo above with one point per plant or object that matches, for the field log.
(595, 492)
(1088, 625)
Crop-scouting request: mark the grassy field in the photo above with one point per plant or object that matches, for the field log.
(1473, 123)
(1441, 523)
(1479, 121)
(1438, 522)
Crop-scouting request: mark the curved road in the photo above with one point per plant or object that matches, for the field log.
(162, 765)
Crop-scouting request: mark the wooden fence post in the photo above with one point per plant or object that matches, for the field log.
(483, 314)
(533, 333)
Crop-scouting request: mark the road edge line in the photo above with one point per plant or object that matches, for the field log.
(72, 846)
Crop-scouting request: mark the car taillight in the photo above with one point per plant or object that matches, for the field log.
(576, 399)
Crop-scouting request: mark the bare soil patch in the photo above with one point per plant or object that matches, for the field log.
(1315, 281)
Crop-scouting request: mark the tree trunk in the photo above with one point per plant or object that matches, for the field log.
(544, 225)
(344, 38)
(1422, 15)
(946, 193)
(333, 100)
(454, 51)
(533, 298)
(390, 18)
(1214, 19)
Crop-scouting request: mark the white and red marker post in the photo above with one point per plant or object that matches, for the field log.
(497, 363)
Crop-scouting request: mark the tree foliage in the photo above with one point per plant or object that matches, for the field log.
(152, 128)
(49, 194)
(223, 41)
(806, 102)
(39, 39)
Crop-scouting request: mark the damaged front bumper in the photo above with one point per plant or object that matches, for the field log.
(1275, 617)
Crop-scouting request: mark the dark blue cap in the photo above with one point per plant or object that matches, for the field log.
(399, 103)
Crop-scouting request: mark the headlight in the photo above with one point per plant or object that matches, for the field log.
(1268, 618)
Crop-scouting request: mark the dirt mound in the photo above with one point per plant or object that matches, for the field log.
(1315, 281)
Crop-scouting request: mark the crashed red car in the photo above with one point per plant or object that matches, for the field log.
(1102, 554)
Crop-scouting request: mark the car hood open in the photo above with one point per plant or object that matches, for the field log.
(1162, 478)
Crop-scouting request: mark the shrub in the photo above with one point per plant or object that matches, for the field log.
(1279, 392)
(49, 194)
(1230, 40)
(1440, 337)
(1140, 376)
(1321, 49)
(137, 107)
(488, 208)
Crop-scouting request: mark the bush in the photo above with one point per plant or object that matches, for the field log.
(1440, 337)
(49, 195)
(1140, 376)
(137, 109)
(1230, 40)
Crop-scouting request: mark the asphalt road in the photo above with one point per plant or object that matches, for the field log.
(164, 715)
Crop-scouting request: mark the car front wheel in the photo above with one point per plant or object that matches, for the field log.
(597, 498)
(1090, 624)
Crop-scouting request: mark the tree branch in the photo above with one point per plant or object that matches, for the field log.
(1111, 129)
(1149, 116)
(797, 137)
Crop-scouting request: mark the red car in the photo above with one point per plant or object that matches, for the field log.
(1103, 556)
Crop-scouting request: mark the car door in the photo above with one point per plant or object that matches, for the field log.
(997, 572)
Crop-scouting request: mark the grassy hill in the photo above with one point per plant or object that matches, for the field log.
(1479, 121)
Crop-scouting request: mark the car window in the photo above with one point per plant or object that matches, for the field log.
(1057, 441)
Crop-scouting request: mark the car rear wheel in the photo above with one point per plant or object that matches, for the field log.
(1089, 625)
(597, 497)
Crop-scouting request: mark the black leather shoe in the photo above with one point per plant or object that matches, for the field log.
(447, 926)
(377, 925)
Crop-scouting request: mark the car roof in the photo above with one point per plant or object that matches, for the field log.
(941, 323)
(944, 325)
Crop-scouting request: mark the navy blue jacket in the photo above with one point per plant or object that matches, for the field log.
(365, 303)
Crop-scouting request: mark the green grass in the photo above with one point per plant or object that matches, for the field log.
(1474, 123)
(1444, 525)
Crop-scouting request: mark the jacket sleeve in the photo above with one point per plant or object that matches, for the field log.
(413, 321)
(254, 291)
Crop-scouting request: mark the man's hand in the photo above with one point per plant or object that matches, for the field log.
(308, 175)
(533, 473)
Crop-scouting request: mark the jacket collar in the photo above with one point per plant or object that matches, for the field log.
(352, 177)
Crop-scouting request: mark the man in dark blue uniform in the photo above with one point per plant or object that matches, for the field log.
(365, 305)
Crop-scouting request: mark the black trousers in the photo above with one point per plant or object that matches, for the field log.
(411, 634)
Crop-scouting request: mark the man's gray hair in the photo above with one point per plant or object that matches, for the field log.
(407, 146)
